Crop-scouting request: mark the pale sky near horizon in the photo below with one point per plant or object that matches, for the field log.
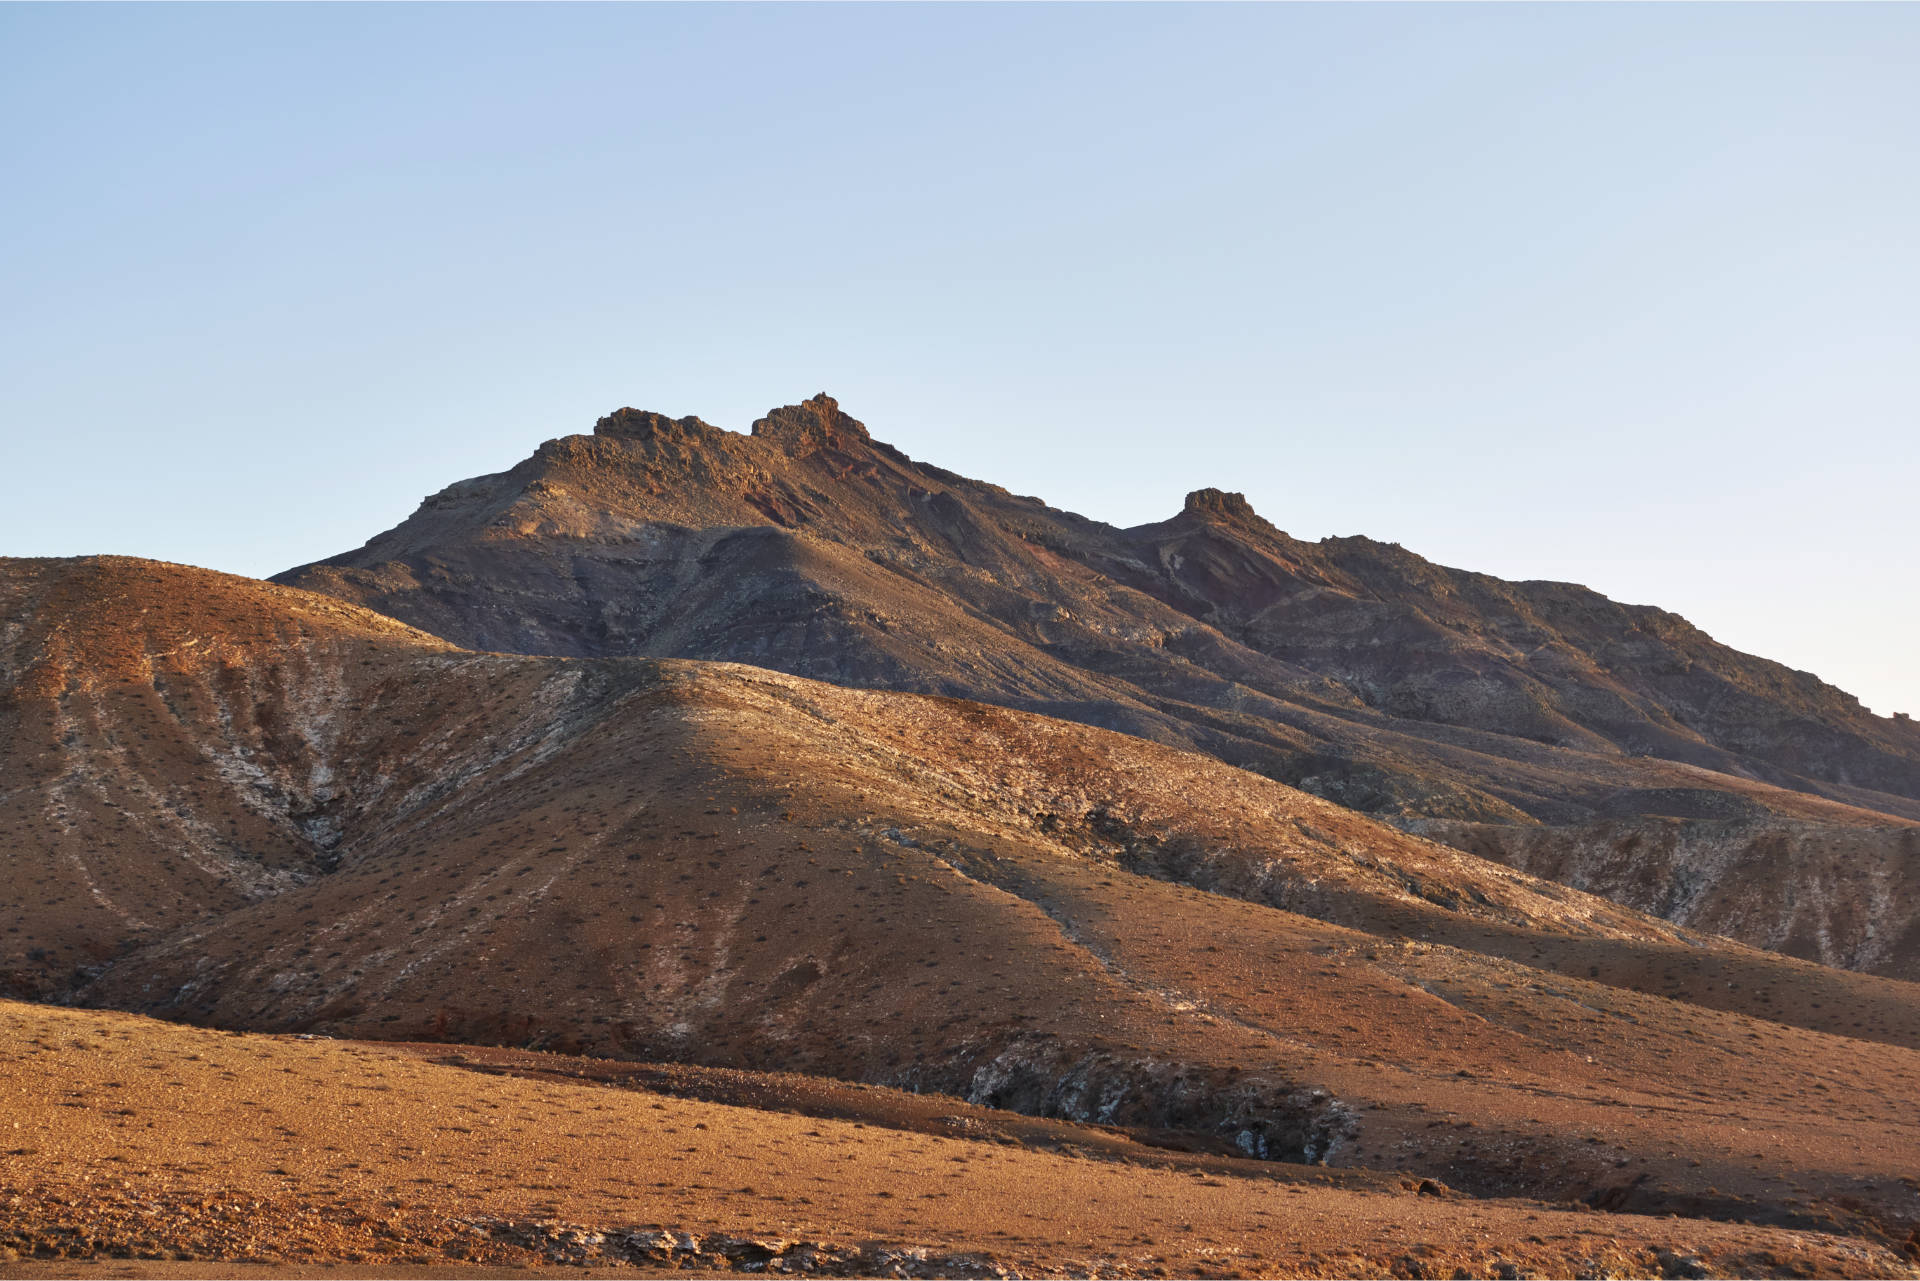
(1624, 295)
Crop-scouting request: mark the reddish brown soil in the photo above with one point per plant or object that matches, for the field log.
(142, 1148)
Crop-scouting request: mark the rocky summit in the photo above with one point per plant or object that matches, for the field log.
(1612, 747)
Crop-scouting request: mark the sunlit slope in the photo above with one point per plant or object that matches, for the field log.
(168, 738)
(140, 1145)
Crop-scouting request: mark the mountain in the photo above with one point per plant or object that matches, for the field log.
(1539, 723)
(254, 807)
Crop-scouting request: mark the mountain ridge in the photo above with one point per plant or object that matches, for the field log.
(1352, 668)
(733, 467)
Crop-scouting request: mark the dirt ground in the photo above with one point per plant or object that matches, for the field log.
(139, 1148)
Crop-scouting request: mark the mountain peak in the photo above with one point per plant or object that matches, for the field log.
(811, 426)
(643, 424)
(1221, 505)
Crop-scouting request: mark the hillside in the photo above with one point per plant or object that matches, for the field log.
(1458, 703)
(243, 805)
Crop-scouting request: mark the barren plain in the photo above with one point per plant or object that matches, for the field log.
(148, 1149)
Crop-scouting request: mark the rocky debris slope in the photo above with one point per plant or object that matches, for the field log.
(1845, 896)
(1349, 668)
(724, 865)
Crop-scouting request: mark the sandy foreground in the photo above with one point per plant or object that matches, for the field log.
(139, 1148)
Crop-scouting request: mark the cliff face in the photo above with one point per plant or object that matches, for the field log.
(1350, 668)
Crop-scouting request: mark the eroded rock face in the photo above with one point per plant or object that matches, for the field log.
(1348, 667)
(1264, 1119)
(639, 424)
(1845, 896)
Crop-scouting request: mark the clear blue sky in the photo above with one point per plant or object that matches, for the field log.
(1627, 295)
